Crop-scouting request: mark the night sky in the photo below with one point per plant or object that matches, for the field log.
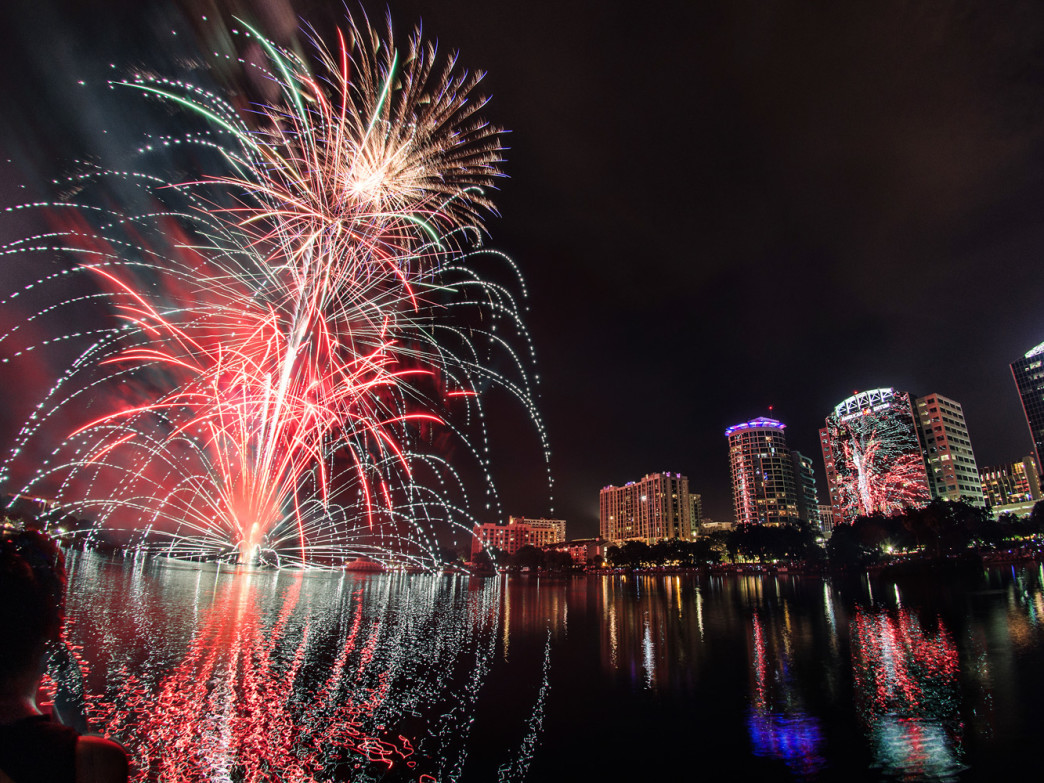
(718, 207)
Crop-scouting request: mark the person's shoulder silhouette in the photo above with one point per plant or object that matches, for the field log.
(33, 746)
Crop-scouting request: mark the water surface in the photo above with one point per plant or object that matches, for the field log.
(207, 673)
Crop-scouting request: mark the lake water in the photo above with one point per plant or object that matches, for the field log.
(210, 673)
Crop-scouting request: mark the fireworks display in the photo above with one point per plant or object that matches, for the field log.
(872, 449)
(299, 337)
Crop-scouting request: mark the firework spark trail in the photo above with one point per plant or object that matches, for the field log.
(292, 335)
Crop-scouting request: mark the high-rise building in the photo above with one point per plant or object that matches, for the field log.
(1029, 378)
(950, 462)
(808, 496)
(1015, 482)
(764, 488)
(695, 511)
(655, 508)
(872, 456)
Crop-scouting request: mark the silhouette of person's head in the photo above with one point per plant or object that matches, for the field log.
(32, 601)
(32, 611)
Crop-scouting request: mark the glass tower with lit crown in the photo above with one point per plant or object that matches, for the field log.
(1029, 378)
(764, 488)
(874, 462)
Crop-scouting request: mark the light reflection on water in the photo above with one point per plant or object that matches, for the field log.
(779, 724)
(283, 675)
(907, 693)
(208, 674)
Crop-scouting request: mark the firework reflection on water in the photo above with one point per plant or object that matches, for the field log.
(211, 673)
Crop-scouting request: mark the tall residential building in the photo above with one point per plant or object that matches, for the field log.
(872, 456)
(808, 496)
(695, 511)
(655, 508)
(764, 488)
(1015, 482)
(950, 462)
(517, 533)
(1029, 378)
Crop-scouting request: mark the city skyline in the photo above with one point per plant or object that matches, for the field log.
(716, 209)
(810, 158)
(314, 358)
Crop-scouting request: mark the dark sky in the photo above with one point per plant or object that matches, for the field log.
(725, 206)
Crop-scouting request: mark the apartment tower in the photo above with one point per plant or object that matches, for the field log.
(650, 510)
(950, 462)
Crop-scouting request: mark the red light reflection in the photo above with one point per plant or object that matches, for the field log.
(906, 681)
(236, 706)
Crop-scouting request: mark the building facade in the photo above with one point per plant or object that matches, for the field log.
(553, 529)
(764, 487)
(1015, 482)
(872, 455)
(582, 550)
(826, 517)
(1029, 379)
(808, 495)
(650, 510)
(949, 459)
(695, 513)
(517, 533)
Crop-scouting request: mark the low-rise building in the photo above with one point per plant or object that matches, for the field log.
(552, 529)
(582, 550)
(708, 526)
(1011, 483)
(1023, 509)
(826, 517)
(517, 533)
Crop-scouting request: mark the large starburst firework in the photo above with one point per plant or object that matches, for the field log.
(299, 337)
